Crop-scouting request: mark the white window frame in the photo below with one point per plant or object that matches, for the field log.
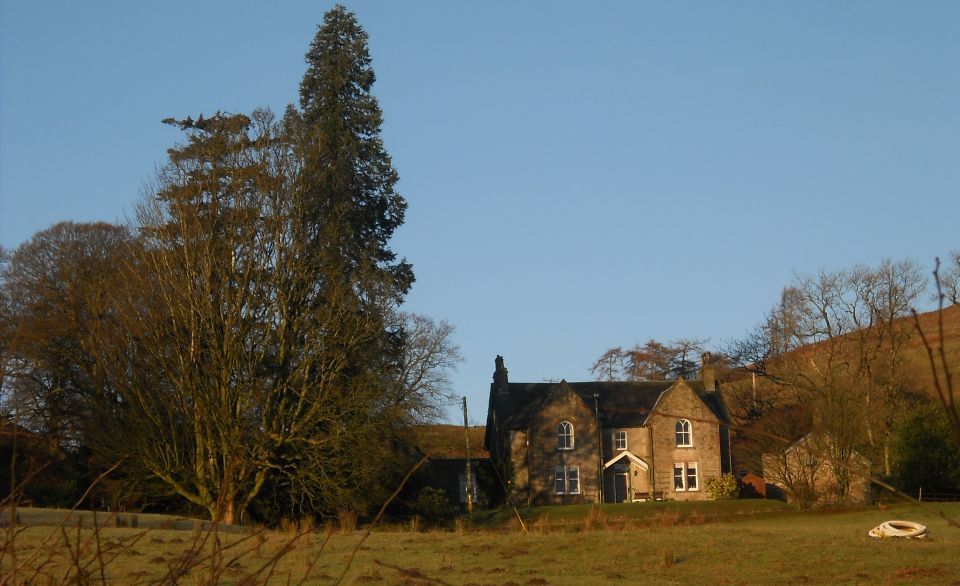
(565, 437)
(684, 472)
(573, 479)
(693, 474)
(617, 437)
(566, 479)
(683, 433)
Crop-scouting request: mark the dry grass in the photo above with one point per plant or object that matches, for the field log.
(782, 548)
(56, 547)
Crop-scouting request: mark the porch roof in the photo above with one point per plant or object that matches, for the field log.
(629, 456)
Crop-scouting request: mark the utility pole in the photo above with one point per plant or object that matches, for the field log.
(596, 414)
(466, 435)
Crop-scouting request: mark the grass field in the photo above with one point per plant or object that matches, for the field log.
(738, 542)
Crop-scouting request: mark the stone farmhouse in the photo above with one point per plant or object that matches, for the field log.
(573, 442)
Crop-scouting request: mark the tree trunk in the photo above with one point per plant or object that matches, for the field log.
(229, 510)
(887, 468)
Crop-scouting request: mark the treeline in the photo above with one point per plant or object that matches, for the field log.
(652, 361)
(835, 357)
(839, 356)
(239, 348)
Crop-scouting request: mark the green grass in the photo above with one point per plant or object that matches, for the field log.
(627, 515)
(734, 544)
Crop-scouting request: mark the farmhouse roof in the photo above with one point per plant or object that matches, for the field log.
(620, 403)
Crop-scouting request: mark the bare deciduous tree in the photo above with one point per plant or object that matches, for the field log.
(56, 302)
(7, 332)
(244, 356)
(651, 362)
(685, 361)
(836, 342)
(950, 279)
(248, 338)
(429, 357)
(610, 365)
(793, 470)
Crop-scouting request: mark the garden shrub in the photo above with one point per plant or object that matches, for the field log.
(723, 488)
(433, 504)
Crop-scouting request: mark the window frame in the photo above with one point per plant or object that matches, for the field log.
(684, 472)
(566, 479)
(559, 480)
(617, 436)
(565, 436)
(683, 433)
(693, 473)
(573, 479)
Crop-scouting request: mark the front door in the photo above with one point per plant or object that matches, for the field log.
(620, 487)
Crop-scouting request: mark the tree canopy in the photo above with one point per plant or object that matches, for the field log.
(652, 361)
(243, 344)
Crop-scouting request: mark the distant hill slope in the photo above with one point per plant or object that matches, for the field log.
(915, 354)
(950, 340)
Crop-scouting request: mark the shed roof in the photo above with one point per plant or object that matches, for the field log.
(447, 442)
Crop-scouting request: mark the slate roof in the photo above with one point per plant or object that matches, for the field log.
(621, 403)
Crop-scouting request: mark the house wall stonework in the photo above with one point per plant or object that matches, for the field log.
(522, 437)
(680, 402)
(638, 442)
(519, 472)
(536, 461)
(637, 482)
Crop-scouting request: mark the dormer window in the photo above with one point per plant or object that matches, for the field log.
(684, 434)
(565, 436)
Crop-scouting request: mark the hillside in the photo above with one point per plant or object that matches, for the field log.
(950, 340)
(915, 352)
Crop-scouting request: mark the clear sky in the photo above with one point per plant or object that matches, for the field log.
(579, 175)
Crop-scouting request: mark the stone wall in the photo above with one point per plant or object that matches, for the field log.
(682, 403)
(541, 455)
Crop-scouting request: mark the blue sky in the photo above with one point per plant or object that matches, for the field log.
(578, 176)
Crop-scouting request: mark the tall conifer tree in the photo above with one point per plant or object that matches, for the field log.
(347, 175)
(347, 210)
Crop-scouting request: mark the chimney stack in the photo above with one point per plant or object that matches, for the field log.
(500, 376)
(708, 373)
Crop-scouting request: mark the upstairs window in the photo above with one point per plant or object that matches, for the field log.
(565, 436)
(684, 434)
(620, 440)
